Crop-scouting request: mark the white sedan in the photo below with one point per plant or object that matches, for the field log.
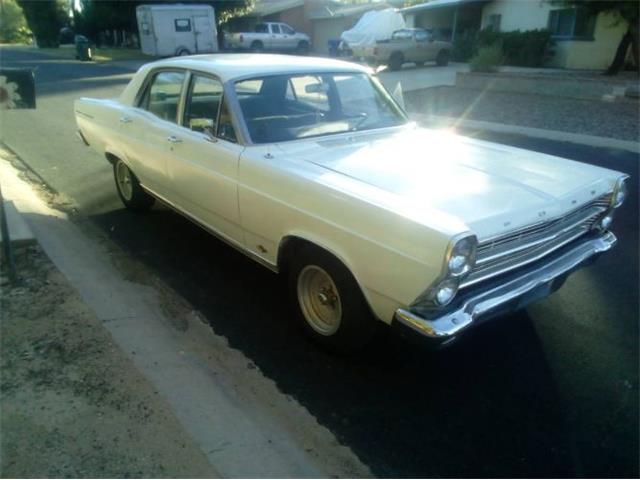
(312, 169)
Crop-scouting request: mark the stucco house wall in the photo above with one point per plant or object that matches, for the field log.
(577, 54)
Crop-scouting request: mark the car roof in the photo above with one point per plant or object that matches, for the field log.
(230, 66)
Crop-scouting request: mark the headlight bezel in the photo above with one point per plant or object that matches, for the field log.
(620, 188)
(465, 245)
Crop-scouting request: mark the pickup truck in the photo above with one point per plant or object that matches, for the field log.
(417, 45)
(312, 169)
(269, 36)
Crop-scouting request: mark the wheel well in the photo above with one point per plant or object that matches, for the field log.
(111, 158)
(396, 54)
(256, 43)
(292, 244)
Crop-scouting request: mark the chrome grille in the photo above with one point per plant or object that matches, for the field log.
(525, 245)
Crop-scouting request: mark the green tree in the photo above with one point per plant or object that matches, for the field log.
(13, 25)
(622, 11)
(45, 18)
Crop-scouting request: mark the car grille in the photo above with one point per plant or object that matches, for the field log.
(526, 245)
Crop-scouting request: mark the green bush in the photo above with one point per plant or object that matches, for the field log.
(531, 48)
(488, 58)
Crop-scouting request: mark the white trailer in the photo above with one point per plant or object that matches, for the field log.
(178, 29)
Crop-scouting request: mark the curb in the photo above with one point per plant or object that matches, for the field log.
(559, 136)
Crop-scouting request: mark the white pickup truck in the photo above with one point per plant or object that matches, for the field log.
(310, 167)
(269, 36)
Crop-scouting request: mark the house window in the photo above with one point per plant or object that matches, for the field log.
(571, 24)
(182, 24)
(493, 22)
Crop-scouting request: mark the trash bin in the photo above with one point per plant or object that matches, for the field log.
(83, 48)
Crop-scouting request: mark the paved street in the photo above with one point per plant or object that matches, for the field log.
(552, 391)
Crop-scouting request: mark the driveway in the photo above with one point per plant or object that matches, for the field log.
(417, 78)
(549, 392)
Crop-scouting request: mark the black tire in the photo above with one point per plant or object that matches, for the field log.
(257, 47)
(419, 64)
(183, 52)
(396, 60)
(302, 48)
(137, 199)
(356, 324)
(443, 58)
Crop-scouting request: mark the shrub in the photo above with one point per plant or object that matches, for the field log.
(488, 59)
(531, 48)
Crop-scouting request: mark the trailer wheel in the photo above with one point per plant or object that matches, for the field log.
(183, 51)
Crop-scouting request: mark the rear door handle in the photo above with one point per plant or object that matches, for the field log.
(174, 139)
(126, 119)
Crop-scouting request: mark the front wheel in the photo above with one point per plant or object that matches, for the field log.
(443, 58)
(302, 48)
(327, 301)
(129, 190)
(396, 60)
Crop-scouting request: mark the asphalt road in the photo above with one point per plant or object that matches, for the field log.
(549, 392)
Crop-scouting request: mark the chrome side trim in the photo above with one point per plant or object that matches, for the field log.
(232, 243)
(473, 308)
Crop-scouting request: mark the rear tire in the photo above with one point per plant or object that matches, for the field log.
(257, 47)
(443, 58)
(419, 64)
(396, 60)
(303, 48)
(327, 302)
(129, 190)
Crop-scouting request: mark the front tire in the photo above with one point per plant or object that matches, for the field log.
(327, 302)
(443, 58)
(303, 48)
(129, 190)
(257, 47)
(396, 61)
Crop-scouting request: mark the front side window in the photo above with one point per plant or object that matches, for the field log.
(286, 29)
(203, 103)
(182, 24)
(290, 107)
(163, 95)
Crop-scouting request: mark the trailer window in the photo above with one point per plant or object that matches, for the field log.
(182, 24)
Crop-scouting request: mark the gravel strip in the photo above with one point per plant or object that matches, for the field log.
(618, 119)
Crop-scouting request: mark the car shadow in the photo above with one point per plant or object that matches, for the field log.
(485, 407)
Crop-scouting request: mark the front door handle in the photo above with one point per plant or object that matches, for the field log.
(126, 119)
(174, 139)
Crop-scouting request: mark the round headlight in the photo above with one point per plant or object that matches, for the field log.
(445, 292)
(463, 256)
(621, 194)
(606, 222)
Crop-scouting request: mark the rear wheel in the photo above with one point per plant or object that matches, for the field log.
(443, 58)
(257, 47)
(129, 190)
(396, 60)
(327, 301)
(419, 64)
(303, 48)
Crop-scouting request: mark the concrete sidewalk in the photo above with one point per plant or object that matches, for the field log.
(239, 420)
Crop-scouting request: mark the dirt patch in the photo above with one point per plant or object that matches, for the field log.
(72, 405)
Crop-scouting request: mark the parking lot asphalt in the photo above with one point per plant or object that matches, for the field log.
(549, 392)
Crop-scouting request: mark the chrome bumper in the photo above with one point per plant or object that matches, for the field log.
(513, 293)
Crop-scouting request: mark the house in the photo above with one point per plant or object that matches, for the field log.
(322, 20)
(582, 41)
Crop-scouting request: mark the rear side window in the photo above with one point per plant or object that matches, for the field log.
(275, 28)
(163, 95)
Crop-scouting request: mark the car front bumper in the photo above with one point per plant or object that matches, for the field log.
(506, 294)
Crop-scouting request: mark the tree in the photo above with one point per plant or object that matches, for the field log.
(13, 26)
(621, 10)
(45, 18)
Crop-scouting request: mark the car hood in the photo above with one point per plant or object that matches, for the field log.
(435, 176)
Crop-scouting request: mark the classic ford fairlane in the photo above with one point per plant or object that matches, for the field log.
(312, 169)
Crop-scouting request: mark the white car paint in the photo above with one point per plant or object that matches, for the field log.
(386, 202)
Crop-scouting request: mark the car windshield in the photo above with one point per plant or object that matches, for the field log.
(289, 107)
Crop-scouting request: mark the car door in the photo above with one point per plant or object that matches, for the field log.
(275, 37)
(203, 167)
(149, 128)
(288, 37)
